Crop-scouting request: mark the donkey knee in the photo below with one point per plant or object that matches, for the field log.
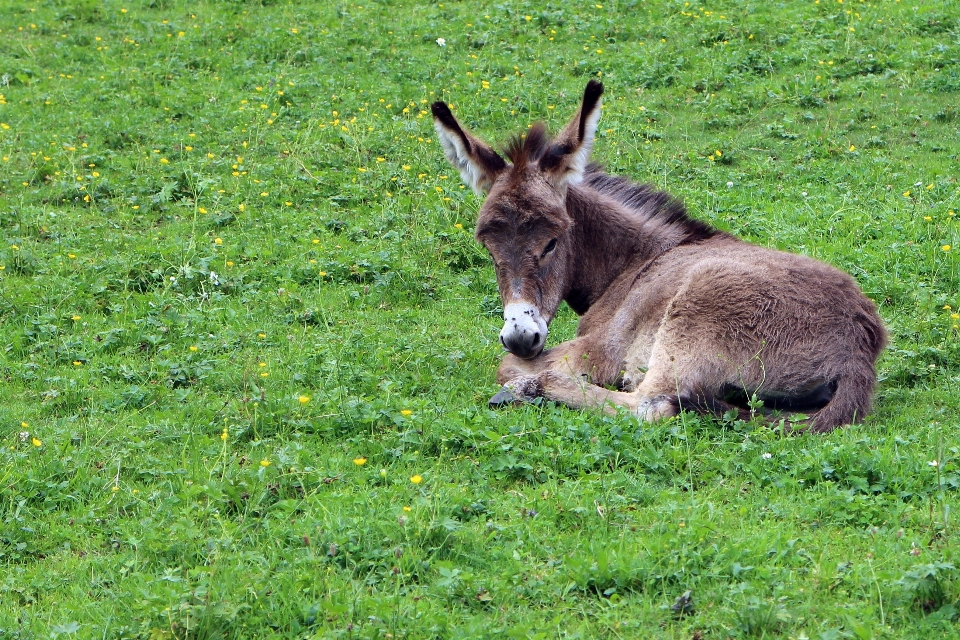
(657, 408)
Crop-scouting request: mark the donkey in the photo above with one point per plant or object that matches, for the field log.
(674, 313)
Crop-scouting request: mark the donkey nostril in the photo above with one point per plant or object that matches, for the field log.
(502, 341)
(536, 338)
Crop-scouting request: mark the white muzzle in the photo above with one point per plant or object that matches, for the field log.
(524, 330)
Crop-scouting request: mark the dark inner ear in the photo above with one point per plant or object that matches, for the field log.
(554, 155)
(591, 95)
(489, 159)
(485, 156)
(442, 113)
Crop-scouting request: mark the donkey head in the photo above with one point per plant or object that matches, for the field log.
(524, 222)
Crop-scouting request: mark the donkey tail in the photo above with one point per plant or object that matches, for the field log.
(850, 402)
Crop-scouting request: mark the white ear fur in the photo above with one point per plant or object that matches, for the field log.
(581, 157)
(472, 174)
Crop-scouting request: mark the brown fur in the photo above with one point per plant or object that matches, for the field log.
(674, 313)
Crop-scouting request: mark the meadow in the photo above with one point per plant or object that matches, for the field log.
(247, 338)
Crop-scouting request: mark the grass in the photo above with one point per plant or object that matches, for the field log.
(242, 308)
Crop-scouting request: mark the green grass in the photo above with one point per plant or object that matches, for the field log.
(234, 263)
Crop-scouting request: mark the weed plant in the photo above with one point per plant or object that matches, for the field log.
(248, 338)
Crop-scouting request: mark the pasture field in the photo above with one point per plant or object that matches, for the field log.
(248, 338)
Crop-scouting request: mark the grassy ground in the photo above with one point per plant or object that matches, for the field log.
(247, 337)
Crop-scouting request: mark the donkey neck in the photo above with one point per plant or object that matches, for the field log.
(609, 239)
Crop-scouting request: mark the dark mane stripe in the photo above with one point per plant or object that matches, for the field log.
(648, 202)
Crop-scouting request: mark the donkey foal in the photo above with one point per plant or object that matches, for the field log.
(675, 314)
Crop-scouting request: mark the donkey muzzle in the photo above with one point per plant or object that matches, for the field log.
(524, 330)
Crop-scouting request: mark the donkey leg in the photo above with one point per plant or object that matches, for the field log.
(673, 380)
(524, 380)
(567, 357)
(578, 393)
(519, 380)
(557, 386)
(563, 374)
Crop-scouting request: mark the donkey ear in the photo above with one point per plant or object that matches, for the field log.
(566, 160)
(477, 163)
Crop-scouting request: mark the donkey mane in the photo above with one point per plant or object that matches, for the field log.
(649, 203)
(528, 147)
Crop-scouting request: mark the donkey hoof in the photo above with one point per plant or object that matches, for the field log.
(518, 390)
(504, 397)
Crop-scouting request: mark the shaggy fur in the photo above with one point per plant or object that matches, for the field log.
(675, 314)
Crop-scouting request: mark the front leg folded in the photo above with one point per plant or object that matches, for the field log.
(563, 374)
(570, 358)
(576, 393)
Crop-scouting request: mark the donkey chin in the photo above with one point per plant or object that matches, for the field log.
(524, 330)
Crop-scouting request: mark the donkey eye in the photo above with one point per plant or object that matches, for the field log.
(550, 247)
